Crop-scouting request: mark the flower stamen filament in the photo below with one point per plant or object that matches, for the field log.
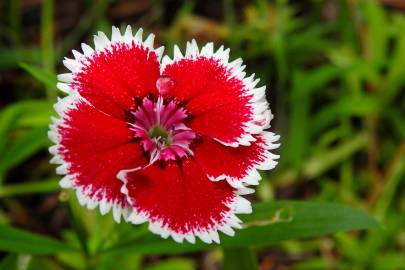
(160, 135)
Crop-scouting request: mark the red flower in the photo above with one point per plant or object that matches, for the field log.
(152, 140)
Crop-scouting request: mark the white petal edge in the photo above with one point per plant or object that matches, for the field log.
(62, 106)
(103, 43)
(238, 205)
(252, 176)
(259, 107)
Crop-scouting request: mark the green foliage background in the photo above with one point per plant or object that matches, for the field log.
(335, 71)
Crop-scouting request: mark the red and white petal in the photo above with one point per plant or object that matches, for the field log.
(181, 202)
(237, 165)
(226, 104)
(91, 147)
(115, 72)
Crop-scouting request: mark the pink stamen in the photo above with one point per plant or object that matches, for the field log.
(160, 127)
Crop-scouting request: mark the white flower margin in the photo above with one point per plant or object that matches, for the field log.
(258, 105)
(252, 176)
(63, 105)
(238, 205)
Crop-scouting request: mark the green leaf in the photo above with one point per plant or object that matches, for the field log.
(9, 262)
(354, 105)
(46, 77)
(377, 32)
(121, 261)
(47, 44)
(314, 264)
(43, 263)
(298, 140)
(11, 57)
(14, 17)
(304, 85)
(318, 164)
(178, 264)
(17, 240)
(390, 261)
(395, 77)
(27, 113)
(24, 147)
(42, 186)
(239, 259)
(270, 223)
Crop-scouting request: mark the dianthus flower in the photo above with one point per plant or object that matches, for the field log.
(173, 142)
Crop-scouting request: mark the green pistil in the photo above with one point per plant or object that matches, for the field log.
(161, 134)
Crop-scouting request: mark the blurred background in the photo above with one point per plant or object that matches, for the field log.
(335, 74)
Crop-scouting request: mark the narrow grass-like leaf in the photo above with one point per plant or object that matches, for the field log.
(17, 240)
(46, 77)
(377, 34)
(42, 186)
(178, 264)
(47, 44)
(239, 259)
(323, 161)
(24, 147)
(44, 263)
(395, 77)
(304, 85)
(28, 113)
(356, 105)
(9, 262)
(270, 223)
(12, 57)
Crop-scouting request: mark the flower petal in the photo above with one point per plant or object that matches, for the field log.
(237, 165)
(110, 76)
(91, 148)
(181, 202)
(226, 104)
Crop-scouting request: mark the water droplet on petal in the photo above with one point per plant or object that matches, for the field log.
(164, 85)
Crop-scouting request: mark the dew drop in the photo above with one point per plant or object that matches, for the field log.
(164, 85)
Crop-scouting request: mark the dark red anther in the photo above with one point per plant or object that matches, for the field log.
(164, 85)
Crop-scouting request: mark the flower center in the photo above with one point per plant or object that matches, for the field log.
(160, 134)
(160, 126)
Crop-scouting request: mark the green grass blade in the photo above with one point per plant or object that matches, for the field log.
(270, 223)
(17, 240)
(15, 21)
(43, 186)
(377, 34)
(239, 259)
(28, 113)
(12, 57)
(9, 262)
(24, 147)
(47, 46)
(178, 264)
(44, 76)
(395, 77)
(320, 163)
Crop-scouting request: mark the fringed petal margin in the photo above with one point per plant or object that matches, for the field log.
(238, 165)
(180, 201)
(226, 104)
(115, 72)
(90, 155)
(96, 138)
